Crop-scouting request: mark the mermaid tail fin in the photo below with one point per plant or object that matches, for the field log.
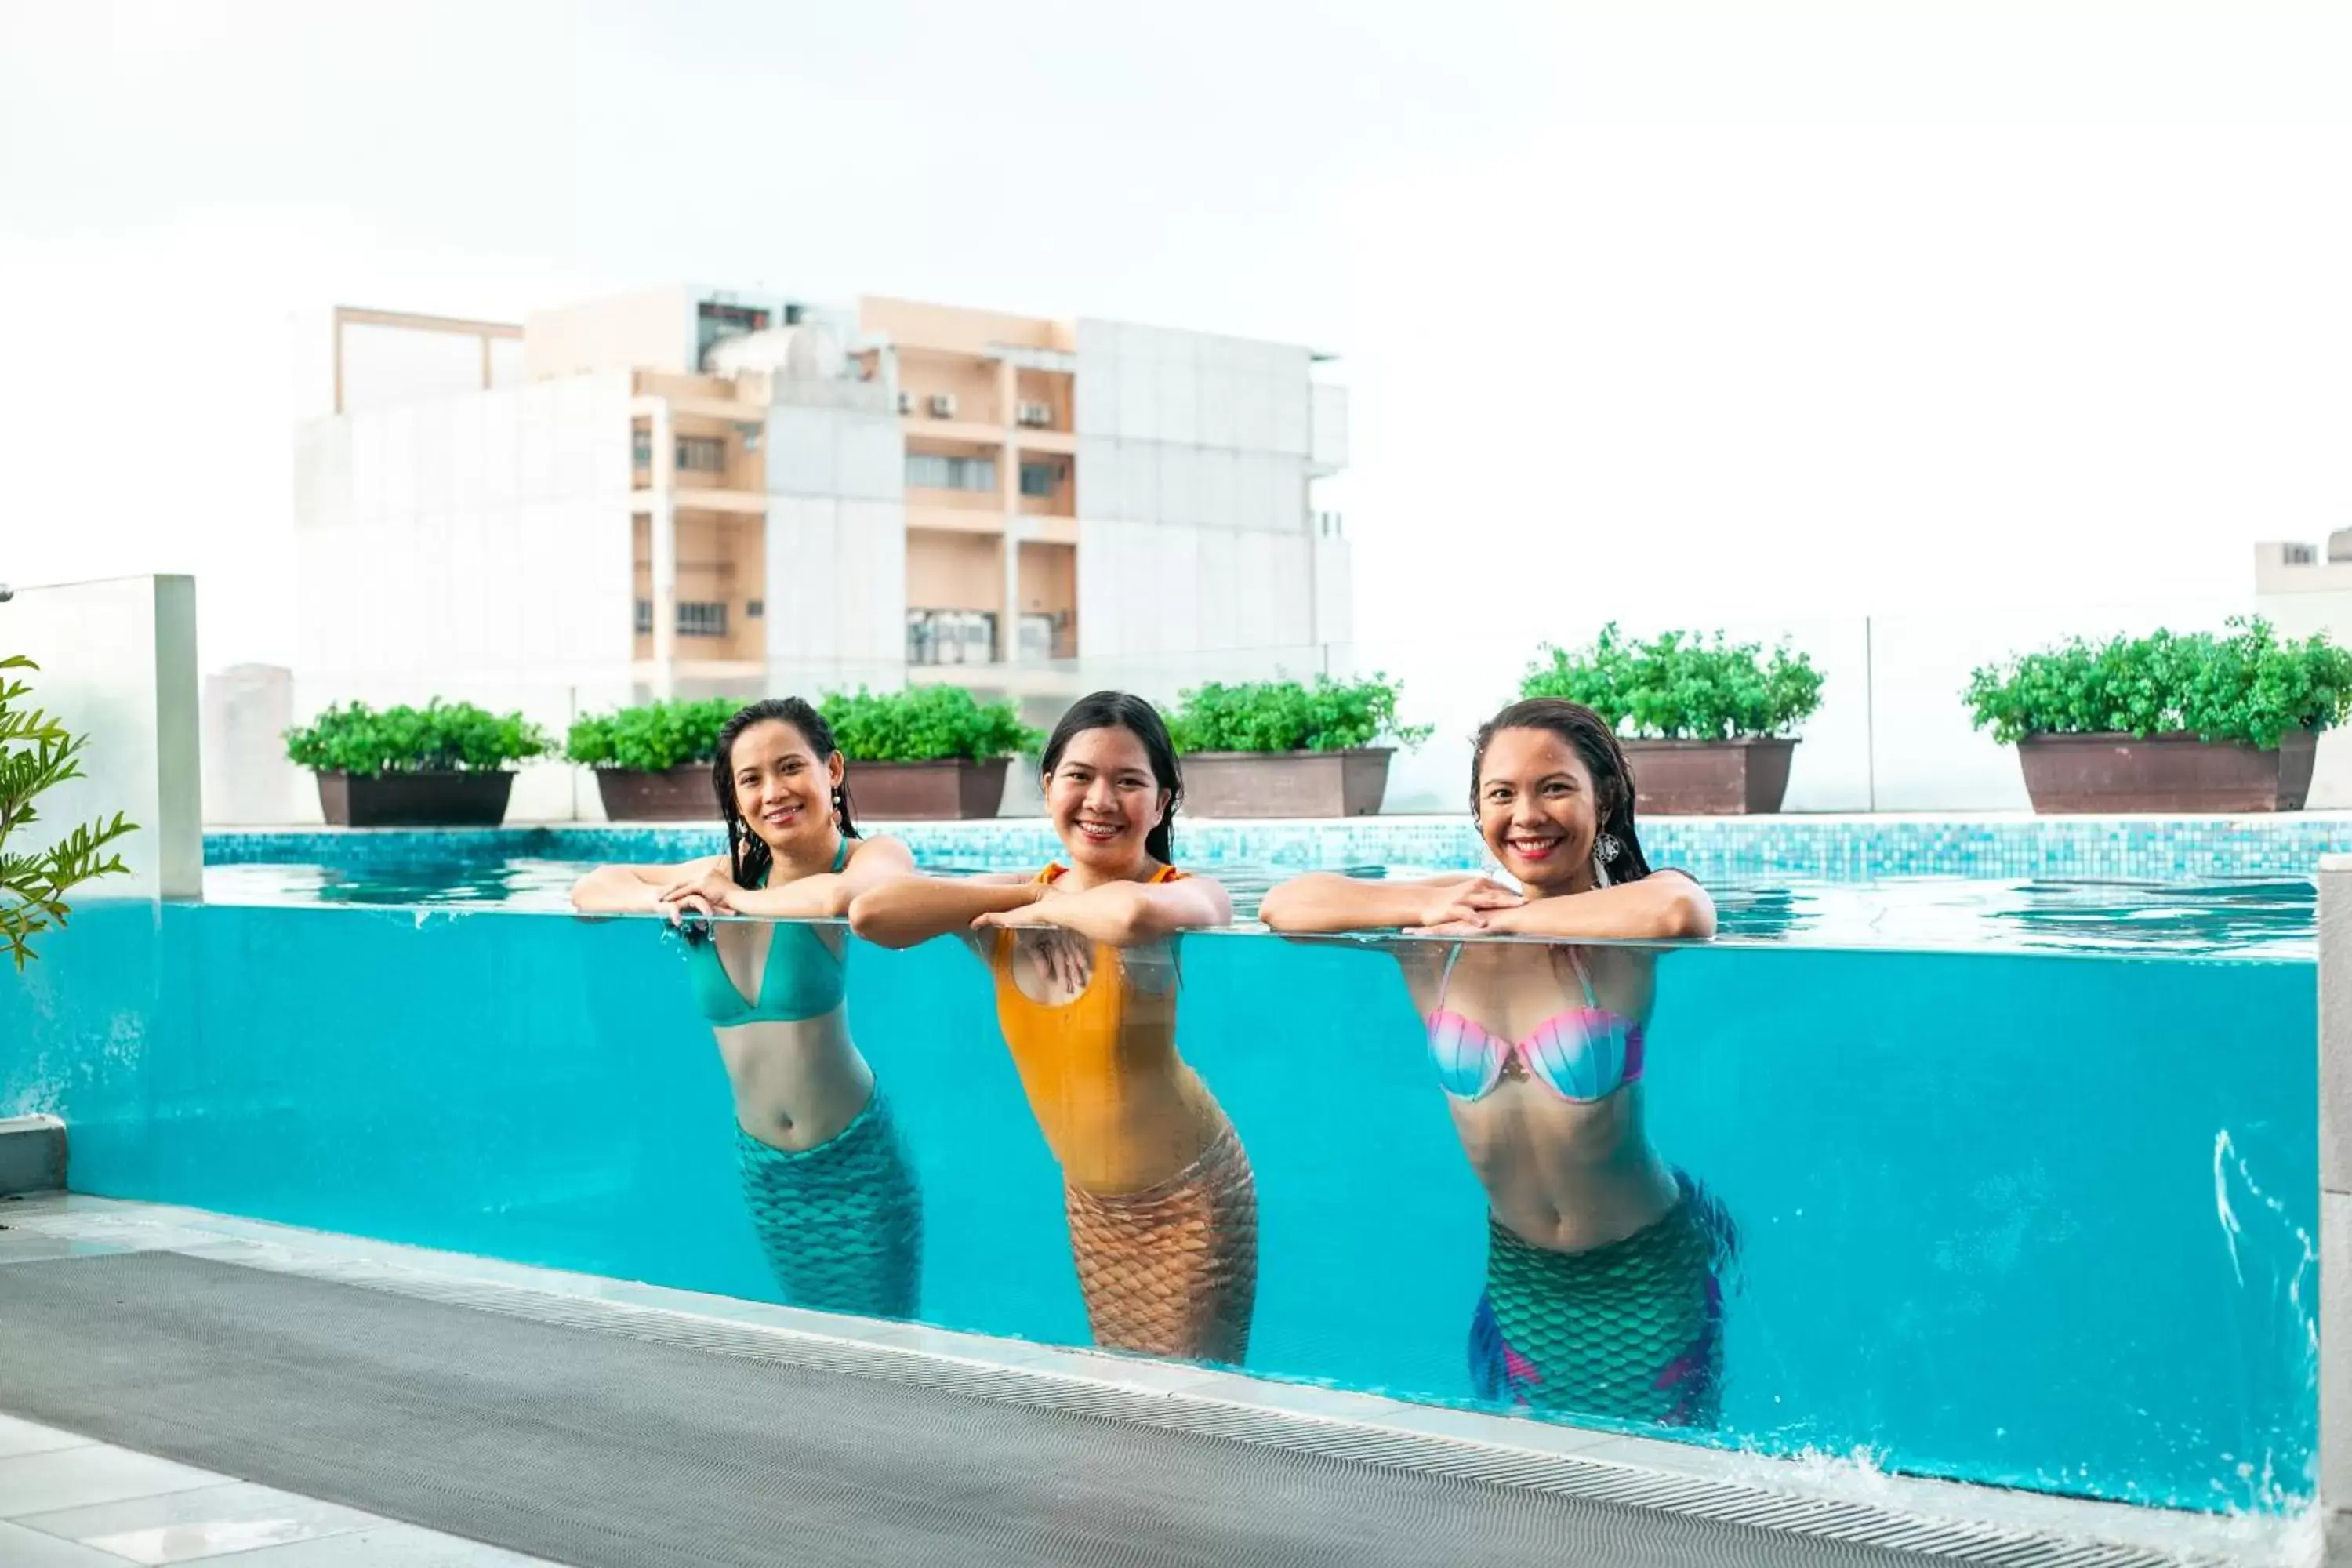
(1172, 1271)
(842, 1224)
(1632, 1332)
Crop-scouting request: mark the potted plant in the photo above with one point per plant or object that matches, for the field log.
(1281, 748)
(444, 765)
(926, 753)
(652, 760)
(1709, 725)
(37, 754)
(2168, 722)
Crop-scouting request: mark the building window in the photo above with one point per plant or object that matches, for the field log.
(695, 618)
(1038, 479)
(714, 320)
(754, 608)
(951, 636)
(701, 455)
(930, 470)
(641, 448)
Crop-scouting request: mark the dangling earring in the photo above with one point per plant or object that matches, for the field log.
(1605, 850)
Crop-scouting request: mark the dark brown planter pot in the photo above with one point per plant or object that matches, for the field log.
(2170, 772)
(1285, 783)
(416, 800)
(682, 794)
(953, 789)
(1747, 777)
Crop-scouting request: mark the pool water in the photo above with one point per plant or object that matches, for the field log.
(2265, 916)
(2039, 1218)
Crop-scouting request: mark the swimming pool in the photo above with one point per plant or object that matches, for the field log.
(2041, 1219)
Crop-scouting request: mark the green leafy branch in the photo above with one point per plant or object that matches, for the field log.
(1680, 685)
(923, 724)
(37, 754)
(651, 737)
(439, 736)
(1266, 716)
(2248, 687)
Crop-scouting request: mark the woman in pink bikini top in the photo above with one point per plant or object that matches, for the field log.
(1603, 1293)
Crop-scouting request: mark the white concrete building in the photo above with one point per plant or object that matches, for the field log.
(695, 489)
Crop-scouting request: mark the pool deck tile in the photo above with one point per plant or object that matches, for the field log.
(95, 1473)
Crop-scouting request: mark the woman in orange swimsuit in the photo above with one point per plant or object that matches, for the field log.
(1162, 1202)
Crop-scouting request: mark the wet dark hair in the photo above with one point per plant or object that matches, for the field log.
(748, 855)
(1125, 710)
(1604, 759)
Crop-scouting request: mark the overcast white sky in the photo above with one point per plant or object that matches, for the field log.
(1734, 309)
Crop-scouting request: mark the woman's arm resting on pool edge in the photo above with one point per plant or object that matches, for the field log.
(1664, 906)
(827, 895)
(1327, 901)
(905, 910)
(1124, 914)
(635, 889)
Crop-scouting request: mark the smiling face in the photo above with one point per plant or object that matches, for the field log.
(1103, 800)
(1538, 810)
(782, 788)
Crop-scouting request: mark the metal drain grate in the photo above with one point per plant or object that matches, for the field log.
(1958, 1541)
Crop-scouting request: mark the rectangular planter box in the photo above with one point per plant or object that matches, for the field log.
(682, 794)
(2170, 772)
(1285, 783)
(416, 800)
(954, 789)
(1745, 777)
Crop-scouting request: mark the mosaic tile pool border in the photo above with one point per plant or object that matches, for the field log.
(1824, 849)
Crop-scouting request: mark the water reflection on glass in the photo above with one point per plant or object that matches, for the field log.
(1158, 1194)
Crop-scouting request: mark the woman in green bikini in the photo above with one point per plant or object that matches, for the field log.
(824, 1173)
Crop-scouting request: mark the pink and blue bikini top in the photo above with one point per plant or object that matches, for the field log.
(1582, 1054)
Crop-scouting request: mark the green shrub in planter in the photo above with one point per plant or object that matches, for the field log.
(923, 724)
(1680, 685)
(651, 737)
(1288, 716)
(37, 754)
(2247, 688)
(440, 736)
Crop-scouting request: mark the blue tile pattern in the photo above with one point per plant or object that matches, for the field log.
(1731, 849)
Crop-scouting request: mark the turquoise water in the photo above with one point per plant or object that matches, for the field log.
(2240, 916)
(2032, 1218)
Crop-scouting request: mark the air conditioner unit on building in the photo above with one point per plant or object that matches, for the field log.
(1036, 415)
(905, 403)
(943, 406)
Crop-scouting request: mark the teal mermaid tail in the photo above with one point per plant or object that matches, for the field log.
(1631, 1331)
(842, 1224)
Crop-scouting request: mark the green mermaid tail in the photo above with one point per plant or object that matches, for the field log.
(1632, 1332)
(842, 1224)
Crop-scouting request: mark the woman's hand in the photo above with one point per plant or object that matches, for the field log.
(711, 893)
(1065, 958)
(1038, 912)
(1464, 908)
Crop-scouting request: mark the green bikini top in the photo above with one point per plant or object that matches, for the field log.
(801, 979)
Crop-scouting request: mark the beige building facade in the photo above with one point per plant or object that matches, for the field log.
(717, 489)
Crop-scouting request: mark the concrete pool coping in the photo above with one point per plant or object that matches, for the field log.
(1822, 1498)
